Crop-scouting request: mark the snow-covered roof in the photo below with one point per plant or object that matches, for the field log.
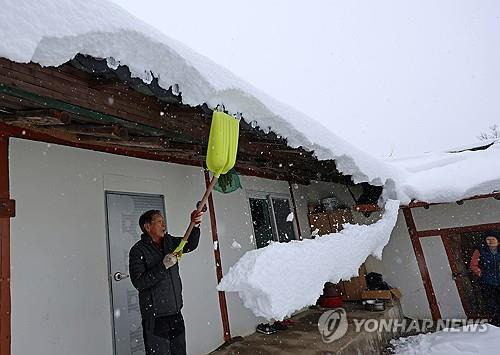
(456, 174)
(52, 32)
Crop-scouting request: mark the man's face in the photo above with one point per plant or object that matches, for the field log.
(492, 242)
(157, 227)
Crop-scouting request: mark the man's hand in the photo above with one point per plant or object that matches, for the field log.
(196, 217)
(170, 260)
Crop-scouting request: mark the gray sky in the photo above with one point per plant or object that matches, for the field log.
(400, 77)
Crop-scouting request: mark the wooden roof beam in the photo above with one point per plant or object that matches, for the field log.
(112, 131)
(43, 117)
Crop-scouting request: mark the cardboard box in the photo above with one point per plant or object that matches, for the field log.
(352, 290)
(388, 295)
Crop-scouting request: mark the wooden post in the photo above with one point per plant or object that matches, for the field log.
(218, 263)
(295, 213)
(5, 302)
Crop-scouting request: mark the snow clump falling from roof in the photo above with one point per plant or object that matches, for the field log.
(266, 278)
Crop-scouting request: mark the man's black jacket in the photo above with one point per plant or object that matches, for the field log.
(160, 289)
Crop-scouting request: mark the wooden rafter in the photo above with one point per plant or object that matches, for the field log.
(107, 112)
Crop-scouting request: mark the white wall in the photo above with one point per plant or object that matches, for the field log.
(234, 223)
(59, 276)
(445, 289)
(400, 269)
(399, 264)
(472, 212)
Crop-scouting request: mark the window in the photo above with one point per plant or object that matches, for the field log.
(271, 218)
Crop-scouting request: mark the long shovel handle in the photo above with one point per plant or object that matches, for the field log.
(180, 247)
(203, 202)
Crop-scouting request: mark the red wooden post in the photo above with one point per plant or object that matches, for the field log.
(218, 263)
(5, 306)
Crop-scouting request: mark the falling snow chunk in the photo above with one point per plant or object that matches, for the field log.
(289, 218)
(266, 278)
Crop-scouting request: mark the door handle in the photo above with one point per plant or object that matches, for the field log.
(119, 276)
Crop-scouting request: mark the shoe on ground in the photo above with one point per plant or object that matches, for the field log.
(265, 328)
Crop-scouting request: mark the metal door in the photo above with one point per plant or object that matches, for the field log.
(461, 247)
(123, 211)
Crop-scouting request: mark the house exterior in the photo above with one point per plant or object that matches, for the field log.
(88, 142)
(77, 189)
(428, 257)
(76, 174)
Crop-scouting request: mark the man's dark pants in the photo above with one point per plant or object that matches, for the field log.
(164, 335)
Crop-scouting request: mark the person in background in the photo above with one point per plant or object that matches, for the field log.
(485, 264)
(154, 272)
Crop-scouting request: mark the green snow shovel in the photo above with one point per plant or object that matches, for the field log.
(221, 157)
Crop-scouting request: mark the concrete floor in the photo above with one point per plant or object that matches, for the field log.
(303, 337)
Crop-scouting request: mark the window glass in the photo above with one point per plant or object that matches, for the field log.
(261, 220)
(284, 223)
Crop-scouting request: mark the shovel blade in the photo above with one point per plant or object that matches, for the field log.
(222, 143)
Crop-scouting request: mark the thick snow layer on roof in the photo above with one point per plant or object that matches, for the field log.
(281, 278)
(450, 342)
(450, 176)
(52, 32)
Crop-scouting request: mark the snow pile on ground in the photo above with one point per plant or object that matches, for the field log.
(281, 278)
(450, 176)
(450, 343)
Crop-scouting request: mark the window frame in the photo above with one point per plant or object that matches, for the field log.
(268, 196)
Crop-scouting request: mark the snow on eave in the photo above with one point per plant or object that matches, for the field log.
(53, 32)
(415, 203)
(483, 145)
(442, 177)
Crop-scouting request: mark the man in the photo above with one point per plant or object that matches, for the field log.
(154, 272)
(485, 264)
